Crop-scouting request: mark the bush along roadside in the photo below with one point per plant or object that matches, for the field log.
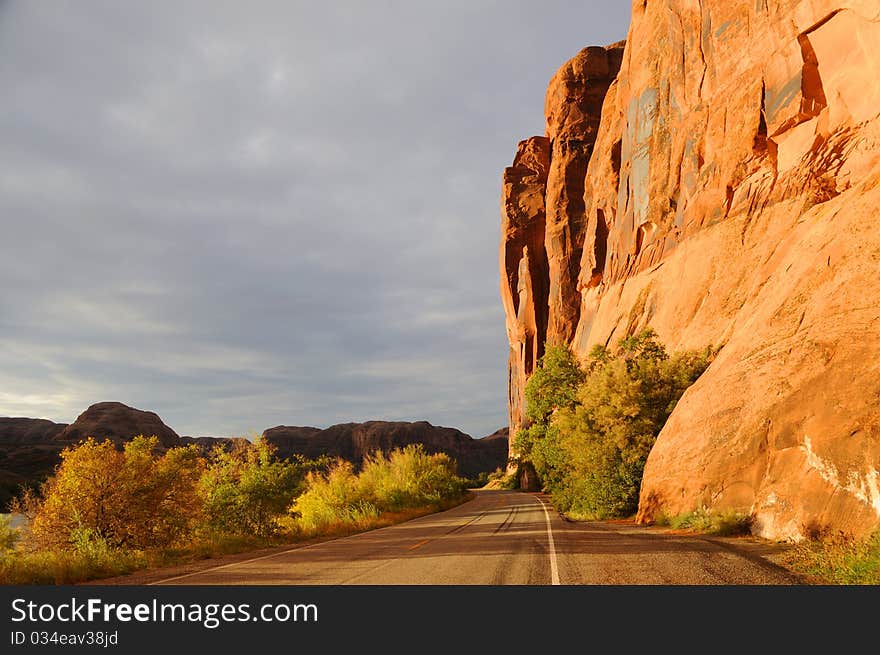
(838, 559)
(108, 512)
(591, 426)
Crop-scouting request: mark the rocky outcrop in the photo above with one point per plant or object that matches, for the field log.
(355, 441)
(542, 230)
(28, 453)
(573, 110)
(119, 423)
(731, 199)
(524, 271)
(29, 430)
(486, 454)
(297, 440)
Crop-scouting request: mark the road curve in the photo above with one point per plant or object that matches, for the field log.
(502, 538)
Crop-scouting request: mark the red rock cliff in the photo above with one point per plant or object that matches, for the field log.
(731, 199)
(542, 209)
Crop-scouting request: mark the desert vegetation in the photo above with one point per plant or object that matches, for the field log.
(721, 523)
(591, 426)
(108, 511)
(837, 558)
(406, 479)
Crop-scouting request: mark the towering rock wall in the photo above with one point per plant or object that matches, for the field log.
(524, 272)
(573, 109)
(542, 209)
(732, 199)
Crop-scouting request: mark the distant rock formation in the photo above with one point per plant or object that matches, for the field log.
(119, 423)
(29, 431)
(29, 452)
(354, 441)
(731, 199)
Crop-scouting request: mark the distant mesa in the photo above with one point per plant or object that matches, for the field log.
(29, 430)
(119, 423)
(29, 451)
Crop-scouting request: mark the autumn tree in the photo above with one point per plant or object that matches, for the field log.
(133, 498)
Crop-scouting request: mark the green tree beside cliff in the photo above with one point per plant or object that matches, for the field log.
(594, 426)
(551, 387)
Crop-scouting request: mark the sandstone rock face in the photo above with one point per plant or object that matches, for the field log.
(354, 441)
(524, 271)
(119, 423)
(542, 231)
(573, 109)
(732, 199)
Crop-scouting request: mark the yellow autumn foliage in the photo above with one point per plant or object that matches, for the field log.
(134, 498)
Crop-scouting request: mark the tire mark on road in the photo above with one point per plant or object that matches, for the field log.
(508, 521)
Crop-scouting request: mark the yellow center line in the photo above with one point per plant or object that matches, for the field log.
(418, 545)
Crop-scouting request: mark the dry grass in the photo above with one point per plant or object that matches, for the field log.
(713, 522)
(838, 559)
(65, 567)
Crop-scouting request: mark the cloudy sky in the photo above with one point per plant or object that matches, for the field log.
(245, 214)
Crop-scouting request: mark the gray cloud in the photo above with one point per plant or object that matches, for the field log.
(245, 214)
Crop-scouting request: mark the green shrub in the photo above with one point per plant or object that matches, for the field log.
(331, 498)
(108, 512)
(497, 474)
(500, 479)
(409, 477)
(591, 435)
(551, 387)
(140, 498)
(246, 489)
(66, 566)
(554, 384)
(478, 480)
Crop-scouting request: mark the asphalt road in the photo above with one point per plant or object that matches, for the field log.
(502, 538)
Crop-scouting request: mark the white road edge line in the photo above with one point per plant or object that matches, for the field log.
(554, 565)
